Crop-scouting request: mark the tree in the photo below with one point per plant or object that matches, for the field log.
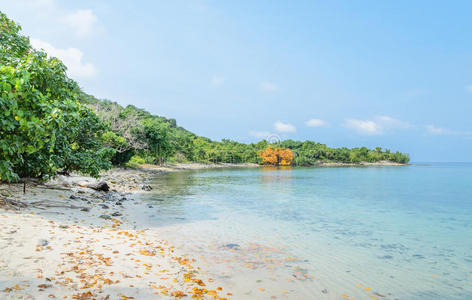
(44, 129)
(276, 156)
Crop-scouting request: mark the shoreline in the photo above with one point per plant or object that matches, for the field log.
(73, 242)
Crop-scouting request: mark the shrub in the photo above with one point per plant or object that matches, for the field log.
(135, 161)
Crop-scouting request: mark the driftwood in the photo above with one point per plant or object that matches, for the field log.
(12, 203)
(51, 204)
(9, 203)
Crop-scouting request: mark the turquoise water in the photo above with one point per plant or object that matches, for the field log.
(325, 233)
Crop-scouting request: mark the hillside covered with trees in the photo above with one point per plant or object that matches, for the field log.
(49, 125)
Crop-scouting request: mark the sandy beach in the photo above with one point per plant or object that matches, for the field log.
(73, 242)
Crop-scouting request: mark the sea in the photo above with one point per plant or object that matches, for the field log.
(376, 232)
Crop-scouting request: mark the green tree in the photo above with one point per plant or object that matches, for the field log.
(44, 129)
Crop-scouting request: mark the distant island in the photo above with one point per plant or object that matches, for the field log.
(48, 125)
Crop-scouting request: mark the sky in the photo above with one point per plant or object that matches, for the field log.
(394, 74)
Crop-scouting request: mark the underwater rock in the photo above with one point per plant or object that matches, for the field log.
(232, 246)
(146, 187)
(43, 242)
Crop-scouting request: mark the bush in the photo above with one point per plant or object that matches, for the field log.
(135, 161)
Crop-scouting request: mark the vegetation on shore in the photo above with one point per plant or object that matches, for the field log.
(49, 125)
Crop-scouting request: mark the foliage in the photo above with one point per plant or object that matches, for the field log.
(276, 156)
(135, 161)
(43, 127)
(158, 139)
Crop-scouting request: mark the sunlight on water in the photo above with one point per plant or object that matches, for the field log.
(325, 233)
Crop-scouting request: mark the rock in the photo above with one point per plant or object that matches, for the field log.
(150, 206)
(325, 291)
(63, 226)
(85, 209)
(104, 206)
(43, 242)
(146, 187)
(73, 197)
(119, 203)
(101, 186)
(116, 214)
(233, 246)
(105, 217)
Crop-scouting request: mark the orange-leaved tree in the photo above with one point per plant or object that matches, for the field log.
(276, 156)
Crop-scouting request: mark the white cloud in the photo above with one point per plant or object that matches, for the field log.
(378, 126)
(390, 123)
(284, 127)
(315, 123)
(53, 17)
(82, 21)
(437, 130)
(217, 80)
(363, 127)
(469, 88)
(268, 87)
(433, 130)
(71, 57)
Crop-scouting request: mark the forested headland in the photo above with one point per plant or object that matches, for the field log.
(48, 125)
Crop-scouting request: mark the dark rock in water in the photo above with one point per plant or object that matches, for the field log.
(150, 206)
(105, 217)
(101, 186)
(63, 226)
(85, 209)
(73, 197)
(233, 246)
(81, 192)
(116, 214)
(104, 206)
(325, 291)
(119, 203)
(43, 242)
(124, 199)
(146, 187)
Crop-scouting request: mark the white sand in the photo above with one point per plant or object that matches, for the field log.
(72, 254)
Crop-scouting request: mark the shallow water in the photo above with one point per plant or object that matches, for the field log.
(324, 233)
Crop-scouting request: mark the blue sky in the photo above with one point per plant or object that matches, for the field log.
(396, 74)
